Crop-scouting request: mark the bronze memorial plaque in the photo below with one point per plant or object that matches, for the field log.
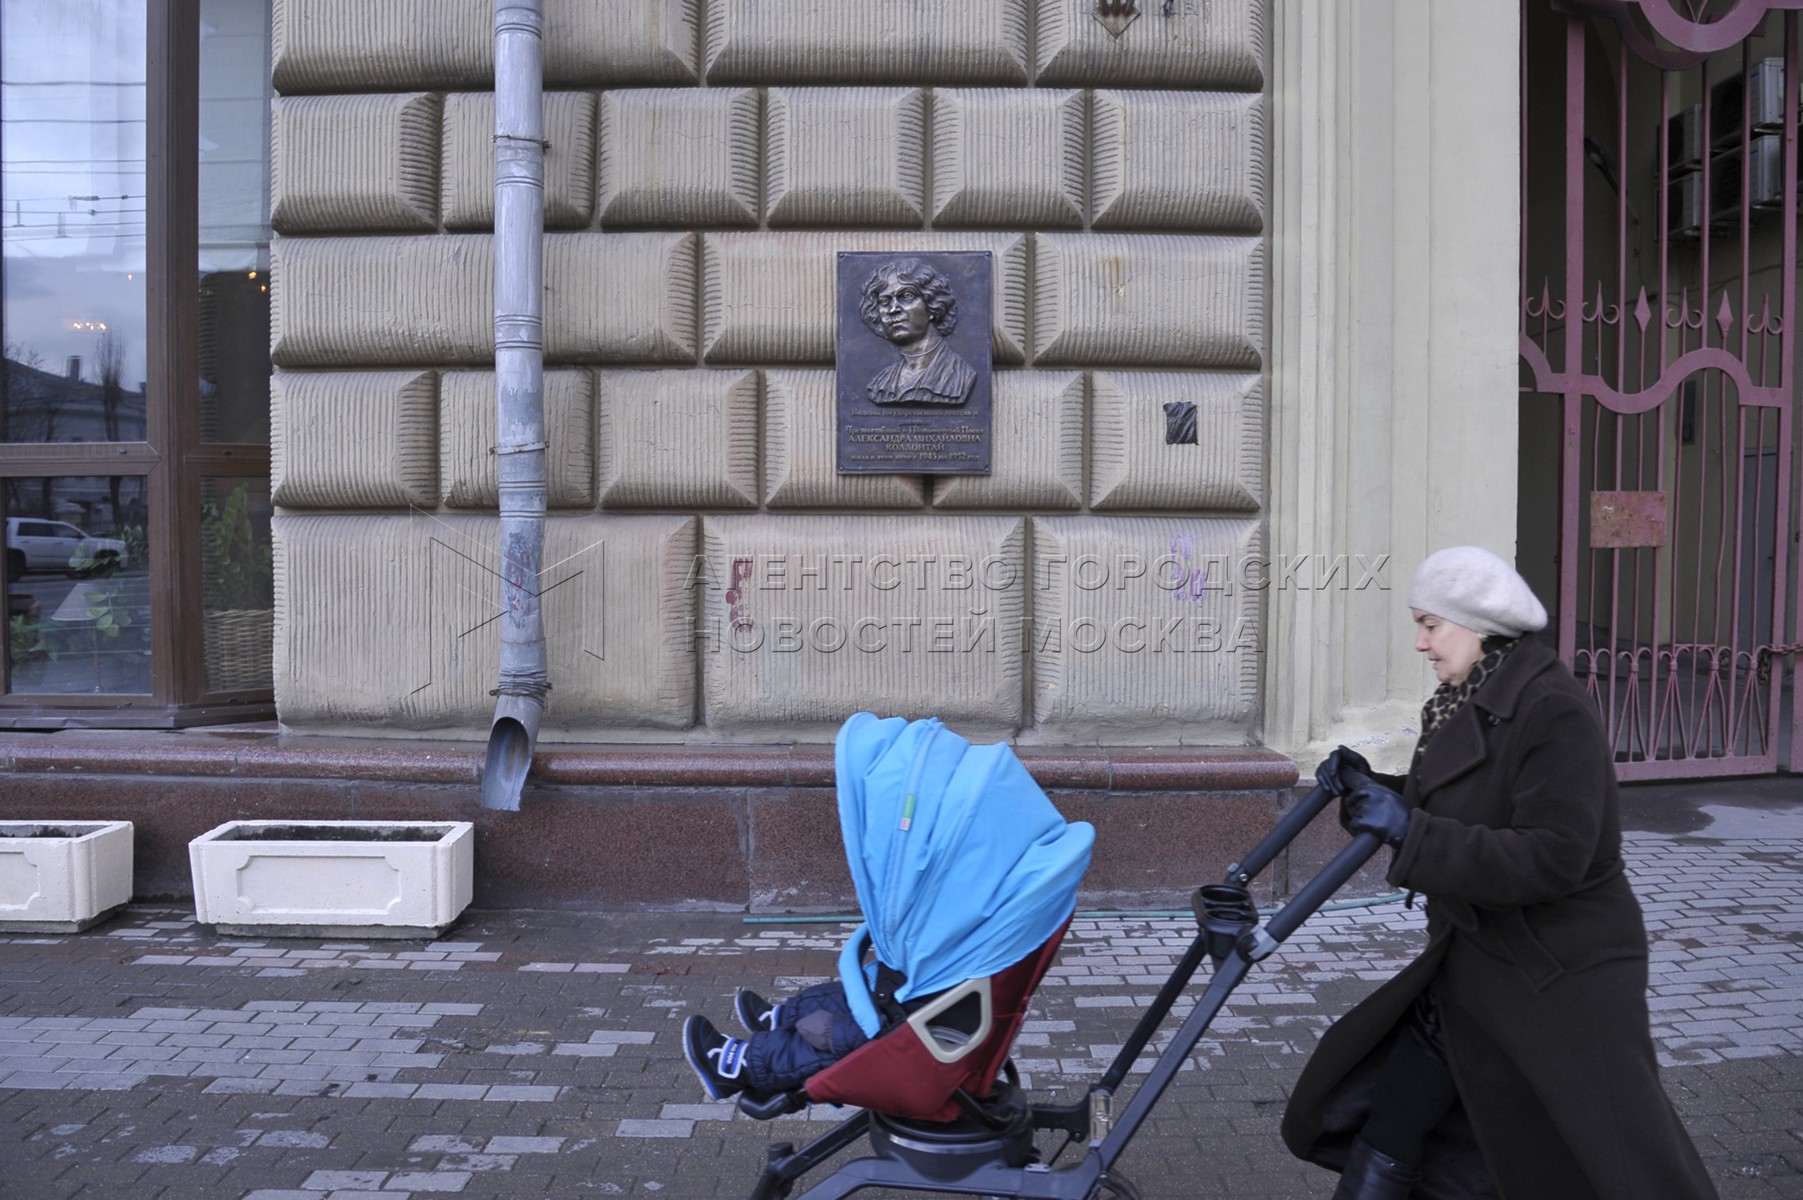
(913, 363)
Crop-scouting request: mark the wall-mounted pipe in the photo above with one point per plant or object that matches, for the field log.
(519, 396)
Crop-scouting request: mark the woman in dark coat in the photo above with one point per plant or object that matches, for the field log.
(1513, 1058)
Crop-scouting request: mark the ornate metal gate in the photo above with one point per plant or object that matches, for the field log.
(1658, 270)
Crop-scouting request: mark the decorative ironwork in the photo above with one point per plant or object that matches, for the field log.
(1673, 153)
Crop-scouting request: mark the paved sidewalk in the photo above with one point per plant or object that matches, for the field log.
(532, 1055)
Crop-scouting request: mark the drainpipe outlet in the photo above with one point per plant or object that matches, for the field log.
(510, 742)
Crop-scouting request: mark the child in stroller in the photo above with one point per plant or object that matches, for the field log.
(962, 867)
(789, 1042)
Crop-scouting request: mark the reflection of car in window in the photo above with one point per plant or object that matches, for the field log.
(34, 545)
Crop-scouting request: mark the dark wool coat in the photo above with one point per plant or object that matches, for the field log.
(1536, 956)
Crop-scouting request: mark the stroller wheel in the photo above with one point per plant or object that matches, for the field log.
(1117, 1186)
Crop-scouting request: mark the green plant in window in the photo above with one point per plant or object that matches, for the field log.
(108, 608)
(137, 543)
(25, 641)
(239, 561)
(110, 617)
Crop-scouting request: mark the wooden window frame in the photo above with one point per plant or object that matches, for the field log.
(172, 459)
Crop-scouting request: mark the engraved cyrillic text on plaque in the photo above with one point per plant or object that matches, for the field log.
(914, 388)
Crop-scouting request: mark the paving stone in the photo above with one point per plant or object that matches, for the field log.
(330, 1180)
(429, 1181)
(524, 1145)
(419, 1105)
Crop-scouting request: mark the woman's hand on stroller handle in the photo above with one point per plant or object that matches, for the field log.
(1374, 808)
(1336, 770)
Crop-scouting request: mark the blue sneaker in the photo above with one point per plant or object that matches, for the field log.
(718, 1060)
(755, 1013)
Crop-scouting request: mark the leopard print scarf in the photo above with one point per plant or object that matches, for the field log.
(1448, 698)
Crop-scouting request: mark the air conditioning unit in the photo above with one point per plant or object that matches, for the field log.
(1765, 170)
(1766, 87)
(1684, 139)
(1684, 206)
(1684, 198)
(1761, 92)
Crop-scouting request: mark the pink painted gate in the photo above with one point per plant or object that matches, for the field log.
(1658, 302)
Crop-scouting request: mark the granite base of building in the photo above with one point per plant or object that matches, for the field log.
(751, 829)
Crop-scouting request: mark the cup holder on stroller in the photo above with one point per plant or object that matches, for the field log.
(1225, 912)
(952, 1150)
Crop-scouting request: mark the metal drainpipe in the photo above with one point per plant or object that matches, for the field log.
(519, 396)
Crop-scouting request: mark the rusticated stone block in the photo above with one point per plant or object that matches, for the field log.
(806, 620)
(397, 45)
(1217, 44)
(421, 650)
(678, 439)
(469, 160)
(845, 156)
(622, 297)
(1192, 160)
(382, 300)
(1146, 624)
(769, 297)
(1216, 461)
(1006, 156)
(468, 474)
(800, 446)
(354, 162)
(867, 42)
(1150, 300)
(343, 439)
(679, 157)
(1036, 447)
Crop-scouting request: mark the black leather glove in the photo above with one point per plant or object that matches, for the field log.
(1374, 808)
(1328, 773)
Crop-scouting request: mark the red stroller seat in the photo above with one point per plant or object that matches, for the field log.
(956, 1041)
(966, 876)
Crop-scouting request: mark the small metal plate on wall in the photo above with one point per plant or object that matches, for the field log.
(1627, 520)
(1116, 15)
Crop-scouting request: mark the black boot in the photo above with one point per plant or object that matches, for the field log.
(1373, 1175)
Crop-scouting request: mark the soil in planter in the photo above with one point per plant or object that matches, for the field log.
(41, 831)
(334, 833)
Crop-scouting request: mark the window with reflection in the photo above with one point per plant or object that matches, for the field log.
(77, 585)
(237, 583)
(234, 221)
(134, 383)
(72, 212)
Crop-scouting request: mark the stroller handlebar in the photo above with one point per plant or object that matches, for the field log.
(1314, 894)
(1329, 880)
(1293, 822)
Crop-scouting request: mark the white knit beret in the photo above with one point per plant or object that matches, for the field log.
(1472, 587)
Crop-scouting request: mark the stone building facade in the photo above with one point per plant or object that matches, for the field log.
(711, 578)
(1293, 221)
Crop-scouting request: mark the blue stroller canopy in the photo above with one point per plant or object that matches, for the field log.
(962, 865)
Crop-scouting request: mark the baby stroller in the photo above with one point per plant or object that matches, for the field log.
(967, 876)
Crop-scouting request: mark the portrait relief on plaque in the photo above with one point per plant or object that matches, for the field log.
(914, 306)
(913, 363)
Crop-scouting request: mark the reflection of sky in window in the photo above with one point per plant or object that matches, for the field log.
(72, 112)
(72, 186)
(234, 135)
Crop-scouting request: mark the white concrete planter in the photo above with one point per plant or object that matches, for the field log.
(334, 878)
(62, 876)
